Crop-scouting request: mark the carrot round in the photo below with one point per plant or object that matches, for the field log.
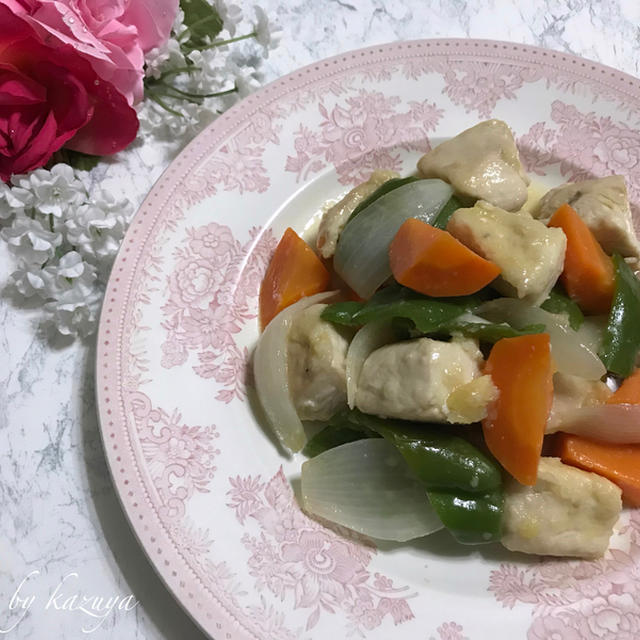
(433, 262)
(521, 369)
(294, 272)
(628, 392)
(620, 463)
(588, 274)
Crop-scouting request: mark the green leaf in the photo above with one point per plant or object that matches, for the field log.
(621, 342)
(81, 161)
(559, 302)
(202, 20)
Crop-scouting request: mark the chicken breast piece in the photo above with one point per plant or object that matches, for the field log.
(603, 205)
(482, 163)
(412, 380)
(316, 365)
(572, 392)
(530, 254)
(569, 512)
(334, 219)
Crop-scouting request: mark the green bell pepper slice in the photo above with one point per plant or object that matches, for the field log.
(621, 341)
(440, 459)
(428, 314)
(559, 302)
(471, 518)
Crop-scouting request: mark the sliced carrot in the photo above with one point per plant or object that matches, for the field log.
(295, 271)
(588, 274)
(620, 463)
(628, 392)
(433, 262)
(521, 369)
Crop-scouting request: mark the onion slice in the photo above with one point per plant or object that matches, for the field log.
(367, 486)
(372, 336)
(362, 254)
(270, 371)
(618, 423)
(571, 353)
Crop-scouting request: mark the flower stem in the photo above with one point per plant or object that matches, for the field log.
(178, 71)
(51, 222)
(154, 96)
(197, 95)
(220, 43)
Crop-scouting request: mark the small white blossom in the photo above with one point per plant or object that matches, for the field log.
(244, 78)
(73, 313)
(30, 241)
(14, 200)
(72, 297)
(53, 191)
(167, 56)
(96, 230)
(6, 209)
(31, 280)
(71, 266)
(231, 15)
(267, 36)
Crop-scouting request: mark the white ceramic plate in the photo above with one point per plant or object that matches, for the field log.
(205, 488)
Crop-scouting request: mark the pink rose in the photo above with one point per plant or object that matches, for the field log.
(50, 97)
(112, 35)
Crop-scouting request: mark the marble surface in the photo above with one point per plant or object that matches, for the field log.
(63, 534)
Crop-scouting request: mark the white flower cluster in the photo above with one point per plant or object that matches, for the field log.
(64, 240)
(225, 70)
(65, 235)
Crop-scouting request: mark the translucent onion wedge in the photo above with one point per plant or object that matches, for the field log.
(371, 337)
(270, 371)
(619, 423)
(570, 352)
(367, 486)
(361, 257)
(592, 331)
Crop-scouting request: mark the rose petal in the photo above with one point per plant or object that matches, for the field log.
(35, 154)
(16, 88)
(68, 99)
(153, 20)
(79, 107)
(113, 127)
(111, 46)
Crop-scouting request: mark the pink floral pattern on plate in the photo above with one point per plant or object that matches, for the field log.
(479, 86)
(361, 135)
(208, 306)
(180, 458)
(578, 600)
(585, 144)
(295, 557)
(450, 631)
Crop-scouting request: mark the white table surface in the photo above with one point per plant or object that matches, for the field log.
(62, 530)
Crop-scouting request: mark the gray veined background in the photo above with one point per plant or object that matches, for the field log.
(58, 510)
